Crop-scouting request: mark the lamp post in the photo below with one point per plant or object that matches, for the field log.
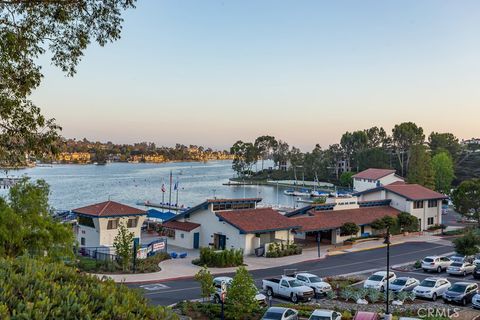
(318, 243)
(388, 316)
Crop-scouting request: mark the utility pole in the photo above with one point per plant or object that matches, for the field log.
(318, 243)
(388, 316)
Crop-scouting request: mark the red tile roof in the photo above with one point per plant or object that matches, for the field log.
(181, 225)
(257, 220)
(414, 191)
(108, 209)
(373, 173)
(325, 220)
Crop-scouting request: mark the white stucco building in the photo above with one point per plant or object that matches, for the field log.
(373, 178)
(423, 203)
(228, 223)
(98, 223)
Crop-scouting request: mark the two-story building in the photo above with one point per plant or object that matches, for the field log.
(373, 178)
(421, 202)
(98, 223)
(229, 223)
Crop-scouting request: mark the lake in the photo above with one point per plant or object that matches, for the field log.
(74, 186)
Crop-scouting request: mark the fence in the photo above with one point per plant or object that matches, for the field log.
(97, 253)
(104, 253)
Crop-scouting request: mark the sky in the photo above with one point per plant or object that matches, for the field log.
(212, 72)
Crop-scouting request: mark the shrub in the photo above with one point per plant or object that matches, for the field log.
(347, 293)
(219, 259)
(417, 264)
(347, 315)
(373, 295)
(276, 250)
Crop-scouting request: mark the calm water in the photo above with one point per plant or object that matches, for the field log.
(73, 186)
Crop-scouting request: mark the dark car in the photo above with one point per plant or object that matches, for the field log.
(461, 292)
(476, 272)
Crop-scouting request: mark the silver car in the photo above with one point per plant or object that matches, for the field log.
(279, 313)
(403, 284)
(461, 268)
(436, 263)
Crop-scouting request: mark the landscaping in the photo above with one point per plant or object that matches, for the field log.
(150, 264)
(219, 258)
(276, 250)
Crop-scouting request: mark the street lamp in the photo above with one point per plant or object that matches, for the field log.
(388, 316)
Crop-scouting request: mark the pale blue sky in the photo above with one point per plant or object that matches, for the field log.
(211, 72)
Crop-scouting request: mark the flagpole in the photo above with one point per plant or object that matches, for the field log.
(170, 194)
(177, 193)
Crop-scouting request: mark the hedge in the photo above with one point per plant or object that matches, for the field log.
(219, 258)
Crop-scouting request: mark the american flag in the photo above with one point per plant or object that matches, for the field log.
(163, 188)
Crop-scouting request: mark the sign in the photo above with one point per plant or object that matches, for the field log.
(223, 296)
(224, 287)
(142, 253)
(158, 246)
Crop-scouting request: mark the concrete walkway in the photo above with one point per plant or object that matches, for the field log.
(183, 268)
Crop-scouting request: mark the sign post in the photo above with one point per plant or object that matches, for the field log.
(223, 295)
(136, 242)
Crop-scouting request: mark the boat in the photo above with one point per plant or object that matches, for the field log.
(316, 194)
(289, 192)
(162, 205)
(302, 193)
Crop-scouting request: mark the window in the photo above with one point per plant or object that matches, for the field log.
(432, 203)
(112, 224)
(430, 221)
(132, 223)
(417, 204)
(86, 221)
(82, 241)
(233, 206)
(284, 283)
(182, 235)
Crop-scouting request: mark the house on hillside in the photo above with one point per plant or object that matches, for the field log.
(98, 223)
(373, 178)
(229, 223)
(423, 203)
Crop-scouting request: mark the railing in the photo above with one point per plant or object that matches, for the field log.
(98, 253)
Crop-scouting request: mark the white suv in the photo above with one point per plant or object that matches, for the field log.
(378, 280)
(436, 263)
(432, 288)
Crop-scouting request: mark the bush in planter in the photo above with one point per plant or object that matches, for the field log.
(219, 259)
(347, 293)
(347, 315)
(374, 295)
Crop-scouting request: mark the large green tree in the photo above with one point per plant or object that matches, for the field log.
(439, 142)
(467, 244)
(443, 171)
(244, 156)
(404, 136)
(349, 229)
(28, 30)
(265, 146)
(38, 289)
(420, 167)
(353, 143)
(27, 226)
(466, 199)
(241, 301)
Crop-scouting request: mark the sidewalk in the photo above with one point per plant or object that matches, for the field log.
(183, 268)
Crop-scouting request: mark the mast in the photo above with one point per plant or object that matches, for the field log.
(170, 193)
(176, 187)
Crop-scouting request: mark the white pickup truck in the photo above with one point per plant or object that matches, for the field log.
(287, 287)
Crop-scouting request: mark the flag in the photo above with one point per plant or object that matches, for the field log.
(175, 187)
(163, 188)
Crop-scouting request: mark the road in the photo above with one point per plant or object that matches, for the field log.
(170, 292)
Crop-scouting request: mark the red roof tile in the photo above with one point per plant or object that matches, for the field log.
(414, 191)
(181, 225)
(373, 173)
(325, 220)
(257, 220)
(108, 209)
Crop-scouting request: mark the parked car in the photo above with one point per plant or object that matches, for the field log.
(378, 280)
(404, 284)
(364, 315)
(287, 287)
(461, 268)
(217, 283)
(319, 314)
(278, 313)
(318, 285)
(461, 258)
(461, 292)
(476, 272)
(436, 263)
(476, 301)
(432, 288)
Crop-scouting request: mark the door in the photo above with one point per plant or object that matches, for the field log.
(221, 241)
(283, 288)
(196, 240)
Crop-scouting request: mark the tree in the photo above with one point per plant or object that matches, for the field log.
(377, 137)
(373, 158)
(205, 278)
(280, 153)
(407, 222)
(386, 222)
(123, 244)
(443, 171)
(467, 244)
(439, 142)
(265, 145)
(39, 289)
(354, 143)
(27, 226)
(349, 229)
(28, 30)
(346, 179)
(466, 199)
(420, 167)
(244, 155)
(241, 301)
(404, 136)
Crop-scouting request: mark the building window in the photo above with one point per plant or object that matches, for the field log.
(132, 223)
(182, 235)
(417, 204)
(112, 224)
(233, 206)
(86, 221)
(82, 241)
(430, 221)
(432, 203)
